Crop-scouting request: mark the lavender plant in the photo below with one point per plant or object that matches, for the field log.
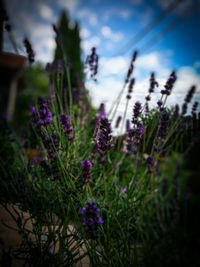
(89, 196)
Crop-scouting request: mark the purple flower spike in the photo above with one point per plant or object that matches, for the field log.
(136, 112)
(100, 220)
(29, 51)
(169, 84)
(92, 63)
(150, 163)
(104, 140)
(131, 67)
(42, 116)
(83, 210)
(118, 121)
(86, 166)
(163, 126)
(134, 139)
(102, 112)
(67, 127)
(91, 219)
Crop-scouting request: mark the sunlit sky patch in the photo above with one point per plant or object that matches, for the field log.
(110, 25)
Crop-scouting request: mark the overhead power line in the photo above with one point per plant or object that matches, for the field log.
(149, 27)
(168, 28)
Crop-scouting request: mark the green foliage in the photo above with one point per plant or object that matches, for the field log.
(142, 206)
(35, 84)
(69, 32)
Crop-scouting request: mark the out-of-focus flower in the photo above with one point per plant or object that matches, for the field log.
(92, 219)
(131, 67)
(67, 127)
(92, 63)
(136, 112)
(86, 166)
(194, 107)
(104, 139)
(29, 50)
(118, 121)
(169, 84)
(163, 126)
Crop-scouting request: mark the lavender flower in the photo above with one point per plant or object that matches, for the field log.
(51, 143)
(42, 116)
(146, 109)
(194, 107)
(190, 94)
(130, 88)
(169, 84)
(86, 166)
(129, 142)
(150, 163)
(134, 139)
(29, 50)
(51, 168)
(56, 67)
(176, 112)
(159, 103)
(45, 166)
(163, 126)
(102, 112)
(188, 99)
(153, 83)
(91, 219)
(118, 121)
(127, 125)
(104, 139)
(136, 112)
(92, 62)
(67, 127)
(34, 161)
(184, 108)
(131, 67)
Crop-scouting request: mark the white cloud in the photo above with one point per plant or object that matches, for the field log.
(116, 65)
(87, 13)
(88, 44)
(41, 31)
(69, 4)
(109, 34)
(44, 49)
(45, 11)
(104, 91)
(93, 20)
(153, 62)
(84, 33)
(187, 76)
(122, 13)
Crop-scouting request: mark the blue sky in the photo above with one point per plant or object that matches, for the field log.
(110, 25)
